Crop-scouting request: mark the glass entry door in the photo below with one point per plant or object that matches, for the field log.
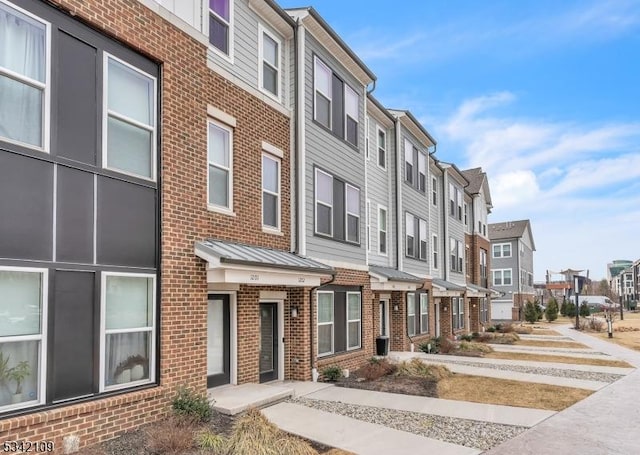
(268, 342)
(384, 318)
(218, 341)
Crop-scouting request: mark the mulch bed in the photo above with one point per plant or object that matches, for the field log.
(393, 384)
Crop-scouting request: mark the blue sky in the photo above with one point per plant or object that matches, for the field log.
(544, 95)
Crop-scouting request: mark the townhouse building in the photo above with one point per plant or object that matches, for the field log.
(209, 194)
(477, 247)
(512, 248)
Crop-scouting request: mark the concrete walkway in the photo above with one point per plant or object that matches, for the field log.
(355, 435)
(506, 415)
(544, 337)
(605, 423)
(504, 374)
(589, 354)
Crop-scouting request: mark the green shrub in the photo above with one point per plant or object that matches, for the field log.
(551, 313)
(466, 337)
(584, 310)
(491, 329)
(498, 326)
(571, 310)
(563, 308)
(332, 373)
(475, 335)
(530, 312)
(189, 404)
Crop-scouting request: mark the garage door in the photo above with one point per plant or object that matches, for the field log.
(501, 310)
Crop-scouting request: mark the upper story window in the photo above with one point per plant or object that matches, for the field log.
(220, 167)
(455, 202)
(457, 255)
(336, 105)
(416, 246)
(483, 263)
(415, 168)
(382, 148)
(434, 191)
(220, 23)
(435, 251)
(130, 120)
(270, 63)
(502, 277)
(466, 214)
(422, 232)
(332, 193)
(502, 250)
(382, 230)
(410, 235)
(270, 191)
(24, 78)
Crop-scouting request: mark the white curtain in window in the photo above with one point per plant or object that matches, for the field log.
(129, 302)
(22, 51)
(21, 351)
(120, 348)
(20, 303)
(130, 93)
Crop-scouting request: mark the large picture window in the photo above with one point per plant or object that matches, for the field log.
(220, 13)
(128, 330)
(220, 167)
(270, 192)
(23, 324)
(24, 75)
(130, 119)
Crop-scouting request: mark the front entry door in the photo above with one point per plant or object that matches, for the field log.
(436, 307)
(268, 342)
(384, 318)
(218, 341)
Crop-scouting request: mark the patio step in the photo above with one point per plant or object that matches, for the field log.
(235, 399)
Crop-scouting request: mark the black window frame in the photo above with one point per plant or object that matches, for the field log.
(340, 342)
(339, 214)
(417, 241)
(412, 173)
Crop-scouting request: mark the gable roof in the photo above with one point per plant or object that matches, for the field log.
(478, 181)
(510, 230)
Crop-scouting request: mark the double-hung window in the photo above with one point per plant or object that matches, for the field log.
(422, 172)
(382, 149)
(502, 277)
(422, 232)
(456, 255)
(220, 166)
(466, 214)
(130, 119)
(454, 312)
(382, 230)
(352, 195)
(408, 162)
(24, 78)
(502, 250)
(367, 218)
(269, 63)
(452, 199)
(270, 191)
(324, 203)
(410, 235)
(411, 314)
(23, 323)
(220, 19)
(128, 329)
(325, 323)
(354, 321)
(435, 251)
(424, 312)
(323, 93)
(352, 114)
(434, 191)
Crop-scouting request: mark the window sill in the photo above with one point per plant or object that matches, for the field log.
(128, 385)
(272, 231)
(227, 57)
(221, 210)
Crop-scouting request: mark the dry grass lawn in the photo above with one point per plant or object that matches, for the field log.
(629, 339)
(550, 344)
(557, 359)
(479, 389)
(545, 332)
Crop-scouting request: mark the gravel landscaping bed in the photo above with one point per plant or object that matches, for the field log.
(562, 373)
(469, 433)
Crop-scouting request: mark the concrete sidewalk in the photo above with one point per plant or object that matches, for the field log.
(355, 435)
(605, 423)
(589, 354)
(506, 415)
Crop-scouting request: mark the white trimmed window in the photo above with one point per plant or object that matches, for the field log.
(409, 226)
(502, 250)
(220, 166)
(352, 195)
(435, 251)
(424, 313)
(466, 214)
(457, 255)
(352, 114)
(411, 314)
(434, 191)
(127, 346)
(324, 203)
(325, 323)
(382, 230)
(423, 239)
(221, 25)
(354, 321)
(367, 217)
(270, 191)
(367, 121)
(24, 78)
(408, 161)
(502, 277)
(457, 305)
(422, 172)
(129, 120)
(270, 49)
(23, 325)
(382, 148)
(322, 101)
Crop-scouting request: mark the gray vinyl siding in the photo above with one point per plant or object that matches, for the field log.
(435, 223)
(335, 156)
(456, 231)
(245, 42)
(416, 203)
(506, 263)
(380, 188)
(526, 264)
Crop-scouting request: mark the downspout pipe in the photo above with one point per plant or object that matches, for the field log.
(314, 370)
(296, 135)
(398, 192)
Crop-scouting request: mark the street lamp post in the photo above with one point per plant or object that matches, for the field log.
(576, 288)
(620, 297)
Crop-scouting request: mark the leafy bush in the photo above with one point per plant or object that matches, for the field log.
(551, 313)
(332, 373)
(584, 310)
(466, 337)
(498, 326)
(563, 308)
(189, 404)
(491, 329)
(530, 312)
(376, 368)
(475, 335)
(417, 368)
(571, 310)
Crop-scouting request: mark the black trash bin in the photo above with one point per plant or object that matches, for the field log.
(382, 345)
